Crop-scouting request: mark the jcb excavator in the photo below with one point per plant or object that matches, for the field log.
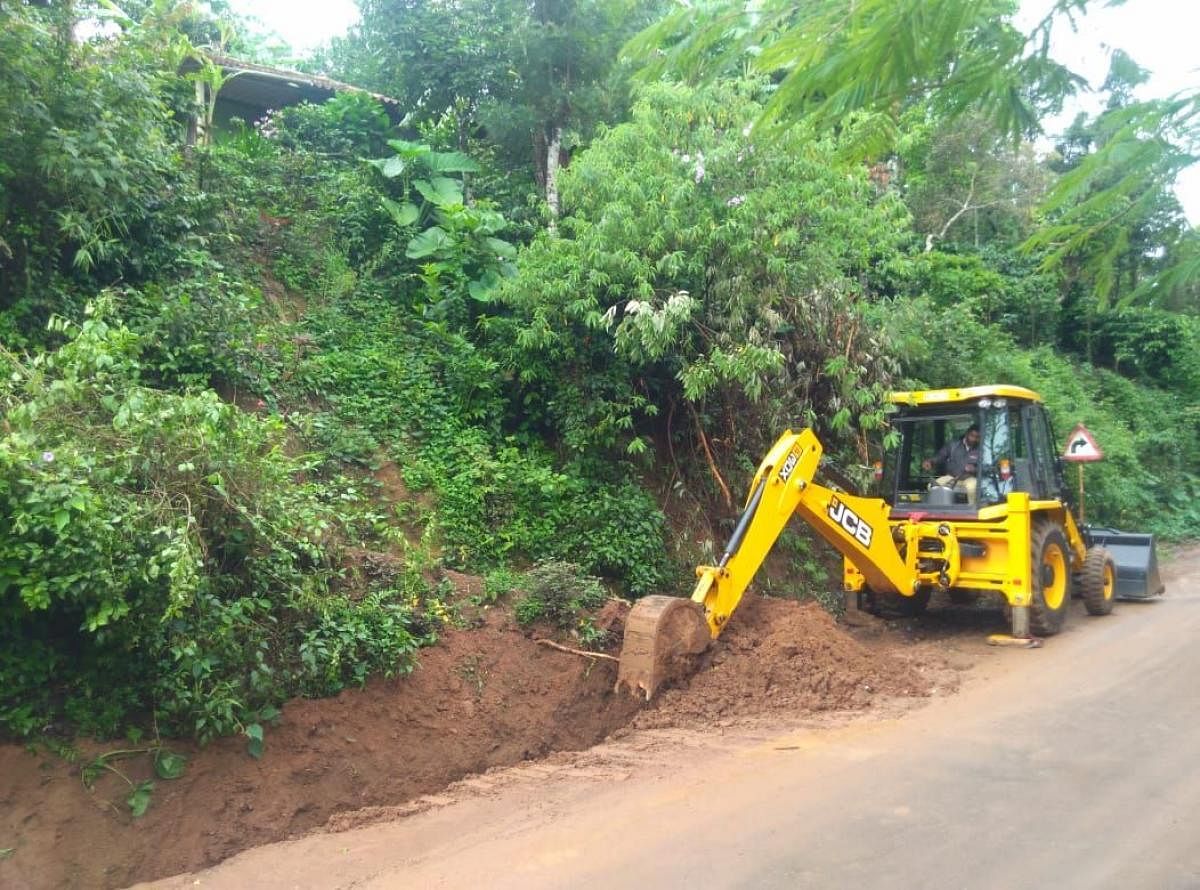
(1003, 525)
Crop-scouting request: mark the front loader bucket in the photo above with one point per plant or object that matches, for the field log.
(663, 636)
(1136, 559)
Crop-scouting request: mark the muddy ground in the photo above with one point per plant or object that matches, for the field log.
(482, 698)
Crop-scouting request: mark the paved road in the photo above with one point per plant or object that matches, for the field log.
(1073, 766)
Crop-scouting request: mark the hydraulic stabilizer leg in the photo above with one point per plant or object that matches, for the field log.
(1020, 622)
(1020, 637)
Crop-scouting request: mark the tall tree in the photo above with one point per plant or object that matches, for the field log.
(857, 65)
(963, 182)
(835, 58)
(533, 77)
(1112, 220)
(87, 153)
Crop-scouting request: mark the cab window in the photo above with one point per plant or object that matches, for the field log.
(1004, 455)
(921, 439)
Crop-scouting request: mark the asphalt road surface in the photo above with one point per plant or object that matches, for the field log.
(1073, 766)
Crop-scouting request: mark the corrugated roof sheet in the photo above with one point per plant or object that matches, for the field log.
(268, 87)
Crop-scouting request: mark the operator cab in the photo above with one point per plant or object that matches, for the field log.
(1015, 451)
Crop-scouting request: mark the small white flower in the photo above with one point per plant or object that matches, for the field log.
(746, 130)
(736, 201)
(47, 457)
(687, 159)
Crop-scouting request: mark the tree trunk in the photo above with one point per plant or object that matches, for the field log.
(539, 158)
(552, 151)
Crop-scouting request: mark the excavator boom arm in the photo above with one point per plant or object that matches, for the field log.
(664, 635)
(856, 527)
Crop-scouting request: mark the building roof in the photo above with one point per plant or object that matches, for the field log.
(963, 394)
(265, 87)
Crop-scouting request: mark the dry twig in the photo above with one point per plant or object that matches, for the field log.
(582, 652)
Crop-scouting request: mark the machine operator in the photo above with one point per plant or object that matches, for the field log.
(957, 462)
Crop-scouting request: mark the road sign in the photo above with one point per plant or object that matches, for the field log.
(1081, 446)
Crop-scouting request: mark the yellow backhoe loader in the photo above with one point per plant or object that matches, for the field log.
(1001, 524)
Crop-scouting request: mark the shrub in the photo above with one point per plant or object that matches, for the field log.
(159, 553)
(701, 283)
(558, 592)
(430, 398)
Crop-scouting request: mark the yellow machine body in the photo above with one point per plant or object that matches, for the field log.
(888, 556)
(1029, 551)
(996, 557)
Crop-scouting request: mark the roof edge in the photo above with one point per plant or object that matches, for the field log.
(962, 394)
(297, 77)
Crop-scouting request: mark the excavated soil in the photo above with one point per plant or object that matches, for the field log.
(782, 656)
(480, 699)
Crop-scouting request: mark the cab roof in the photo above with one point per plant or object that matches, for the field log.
(962, 394)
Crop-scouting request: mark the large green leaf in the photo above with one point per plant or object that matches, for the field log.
(428, 243)
(402, 214)
(410, 151)
(168, 764)
(440, 191)
(139, 798)
(254, 736)
(481, 289)
(501, 247)
(389, 167)
(450, 162)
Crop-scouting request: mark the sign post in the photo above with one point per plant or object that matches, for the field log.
(1081, 448)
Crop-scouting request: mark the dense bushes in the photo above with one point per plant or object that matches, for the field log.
(391, 367)
(92, 189)
(401, 387)
(560, 594)
(161, 554)
(701, 284)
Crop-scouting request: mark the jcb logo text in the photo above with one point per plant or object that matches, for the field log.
(850, 521)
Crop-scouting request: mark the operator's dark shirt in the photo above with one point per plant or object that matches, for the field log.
(953, 458)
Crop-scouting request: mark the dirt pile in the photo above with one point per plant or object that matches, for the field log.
(781, 656)
(480, 698)
(483, 698)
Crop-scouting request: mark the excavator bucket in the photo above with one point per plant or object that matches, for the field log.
(1137, 562)
(663, 637)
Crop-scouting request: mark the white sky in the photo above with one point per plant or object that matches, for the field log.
(1160, 35)
(304, 24)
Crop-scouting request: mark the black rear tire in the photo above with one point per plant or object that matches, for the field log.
(1049, 578)
(1098, 581)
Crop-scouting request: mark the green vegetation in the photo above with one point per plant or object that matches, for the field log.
(162, 549)
(257, 394)
(697, 276)
(560, 594)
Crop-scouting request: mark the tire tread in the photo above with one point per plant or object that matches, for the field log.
(1044, 621)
